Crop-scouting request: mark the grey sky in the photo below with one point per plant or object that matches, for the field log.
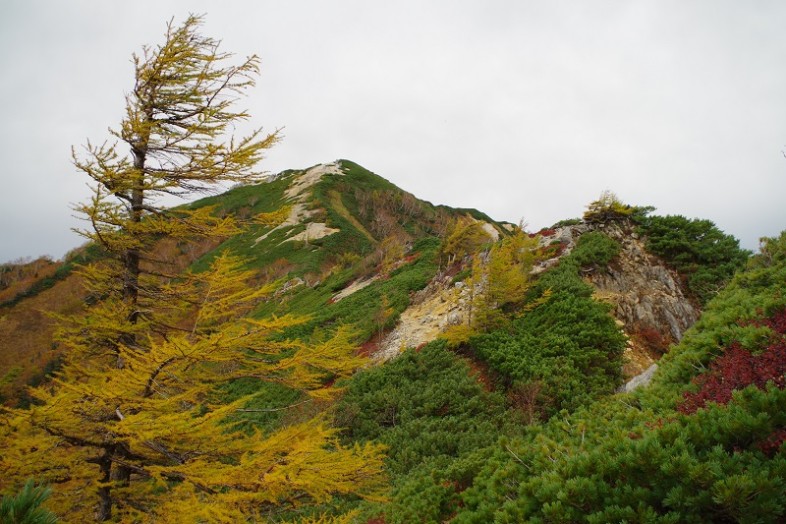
(522, 109)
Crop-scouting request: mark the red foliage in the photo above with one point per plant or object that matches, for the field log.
(371, 346)
(772, 444)
(480, 371)
(738, 368)
(777, 322)
(552, 250)
(653, 339)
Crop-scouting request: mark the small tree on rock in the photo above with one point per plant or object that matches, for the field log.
(607, 208)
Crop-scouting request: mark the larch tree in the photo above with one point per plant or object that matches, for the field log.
(132, 428)
(498, 281)
(607, 208)
(177, 122)
(463, 236)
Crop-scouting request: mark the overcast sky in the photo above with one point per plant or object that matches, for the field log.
(522, 109)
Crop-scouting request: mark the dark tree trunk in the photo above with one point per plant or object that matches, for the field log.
(104, 512)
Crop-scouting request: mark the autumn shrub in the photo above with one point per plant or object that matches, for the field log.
(499, 282)
(652, 338)
(738, 368)
(465, 236)
(607, 208)
(554, 249)
(545, 232)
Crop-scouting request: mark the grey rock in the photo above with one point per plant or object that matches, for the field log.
(641, 380)
(454, 318)
(647, 293)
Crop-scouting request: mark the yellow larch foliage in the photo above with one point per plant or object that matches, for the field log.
(464, 236)
(498, 282)
(132, 428)
(335, 357)
(347, 518)
(158, 435)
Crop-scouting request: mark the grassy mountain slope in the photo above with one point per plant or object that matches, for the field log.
(382, 230)
(515, 418)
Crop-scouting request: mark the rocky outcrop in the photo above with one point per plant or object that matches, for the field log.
(297, 196)
(313, 231)
(434, 308)
(647, 297)
(354, 287)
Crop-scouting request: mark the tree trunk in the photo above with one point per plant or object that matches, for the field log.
(104, 512)
(132, 258)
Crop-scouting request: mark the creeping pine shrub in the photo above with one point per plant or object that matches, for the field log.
(716, 454)
(701, 253)
(567, 348)
(595, 249)
(435, 420)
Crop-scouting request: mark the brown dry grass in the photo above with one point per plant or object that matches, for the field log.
(26, 342)
(27, 330)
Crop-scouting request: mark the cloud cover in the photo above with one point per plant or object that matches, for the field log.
(524, 110)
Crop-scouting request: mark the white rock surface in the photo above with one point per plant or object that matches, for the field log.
(297, 195)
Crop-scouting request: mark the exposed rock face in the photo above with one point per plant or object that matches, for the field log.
(353, 288)
(645, 293)
(314, 231)
(297, 195)
(647, 297)
(491, 231)
(640, 380)
(434, 308)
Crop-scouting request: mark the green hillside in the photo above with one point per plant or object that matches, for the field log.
(322, 347)
(486, 364)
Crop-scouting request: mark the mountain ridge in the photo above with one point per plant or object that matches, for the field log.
(480, 336)
(313, 202)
